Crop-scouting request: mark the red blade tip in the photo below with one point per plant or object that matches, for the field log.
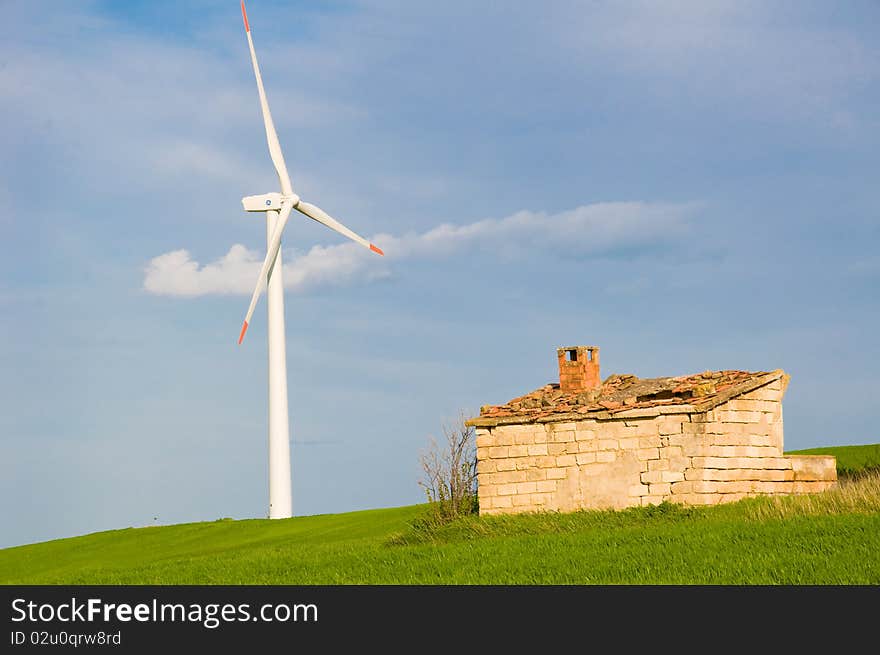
(244, 15)
(376, 249)
(243, 330)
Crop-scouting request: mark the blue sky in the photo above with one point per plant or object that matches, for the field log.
(688, 185)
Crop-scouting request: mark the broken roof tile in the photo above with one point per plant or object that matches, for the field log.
(620, 393)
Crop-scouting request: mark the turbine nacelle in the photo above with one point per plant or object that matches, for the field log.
(267, 202)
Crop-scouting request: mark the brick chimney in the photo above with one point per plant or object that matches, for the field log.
(578, 368)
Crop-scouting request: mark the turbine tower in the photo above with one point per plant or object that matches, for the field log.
(277, 207)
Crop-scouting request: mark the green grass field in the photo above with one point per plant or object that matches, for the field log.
(830, 538)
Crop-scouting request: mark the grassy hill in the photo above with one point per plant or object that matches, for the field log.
(831, 538)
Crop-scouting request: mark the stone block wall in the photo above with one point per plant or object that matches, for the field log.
(646, 456)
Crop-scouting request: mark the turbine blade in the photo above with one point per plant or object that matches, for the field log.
(271, 135)
(318, 214)
(271, 252)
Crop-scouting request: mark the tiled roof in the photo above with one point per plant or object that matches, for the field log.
(626, 395)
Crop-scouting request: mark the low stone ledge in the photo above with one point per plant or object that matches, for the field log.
(807, 468)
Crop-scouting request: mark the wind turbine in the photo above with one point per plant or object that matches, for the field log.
(278, 207)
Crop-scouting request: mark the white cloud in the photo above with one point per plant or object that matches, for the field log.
(174, 273)
(585, 229)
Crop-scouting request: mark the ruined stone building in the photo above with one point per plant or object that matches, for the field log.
(700, 439)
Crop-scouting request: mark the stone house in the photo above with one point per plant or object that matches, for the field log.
(699, 439)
